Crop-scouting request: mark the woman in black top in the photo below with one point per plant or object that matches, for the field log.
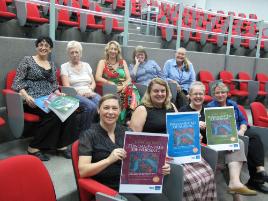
(36, 77)
(199, 184)
(101, 152)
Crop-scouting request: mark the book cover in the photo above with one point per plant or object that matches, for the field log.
(221, 129)
(184, 139)
(64, 106)
(141, 170)
(43, 102)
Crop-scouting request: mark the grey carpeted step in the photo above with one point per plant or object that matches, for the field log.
(135, 31)
(142, 37)
(144, 43)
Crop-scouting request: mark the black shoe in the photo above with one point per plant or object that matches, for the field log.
(40, 155)
(260, 177)
(66, 153)
(257, 186)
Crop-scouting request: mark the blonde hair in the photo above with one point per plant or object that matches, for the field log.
(146, 100)
(197, 84)
(186, 61)
(74, 44)
(139, 49)
(107, 47)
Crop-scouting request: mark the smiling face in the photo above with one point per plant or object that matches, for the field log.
(74, 55)
(43, 49)
(180, 55)
(158, 95)
(109, 111)
(221, 95)
(197, 96)
(113, 51)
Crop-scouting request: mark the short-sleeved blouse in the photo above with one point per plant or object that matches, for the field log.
(81, 79)
(146, 72)
(34, 79)
(95, 142)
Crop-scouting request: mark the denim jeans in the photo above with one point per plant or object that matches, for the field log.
(89, 109)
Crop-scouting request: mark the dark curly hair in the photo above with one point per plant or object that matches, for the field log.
(44, 38)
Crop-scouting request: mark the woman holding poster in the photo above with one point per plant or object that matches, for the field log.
(101, 152)
(258, 175)
(233, 159)
(151, 117)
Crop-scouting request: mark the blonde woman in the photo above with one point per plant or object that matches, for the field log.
(181, 72)
(113, 70)
(150, 116)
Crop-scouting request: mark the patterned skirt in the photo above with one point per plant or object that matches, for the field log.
(199, 182)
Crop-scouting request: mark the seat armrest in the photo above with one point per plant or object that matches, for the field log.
(210, 155)
(92, 186)
(239, 80)
(7, 91)
(173, 184)
(70, 91)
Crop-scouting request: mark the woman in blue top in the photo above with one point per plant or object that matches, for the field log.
(255, 148)
(181, 72)
(142, 70)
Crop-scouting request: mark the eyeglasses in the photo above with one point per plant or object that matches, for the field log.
(197, 94)
(220, 92)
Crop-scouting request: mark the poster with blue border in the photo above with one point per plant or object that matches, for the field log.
(184, 140)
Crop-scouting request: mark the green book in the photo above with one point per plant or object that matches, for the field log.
(221, 128)
(64, 106)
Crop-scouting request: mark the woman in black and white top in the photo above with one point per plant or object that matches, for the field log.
(36, 77)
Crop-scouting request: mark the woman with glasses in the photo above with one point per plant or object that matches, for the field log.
(150, 116)
(143, 70)
(36, 77)
(258, 175)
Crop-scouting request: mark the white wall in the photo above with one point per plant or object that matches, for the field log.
(259, 7)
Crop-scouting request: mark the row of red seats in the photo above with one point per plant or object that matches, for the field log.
(63, 17)
(205, 77)
(227, 77)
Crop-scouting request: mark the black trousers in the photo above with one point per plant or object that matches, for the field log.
(255, 152)
(50, 132)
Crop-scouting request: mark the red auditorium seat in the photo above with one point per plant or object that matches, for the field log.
(9, 80)
(90, 24)
(206, 78)
(64, 19)
(228, 79)
(2, 121)
(4, 13)
(25, 177)
(253, 16)
(263, 79)
(33, 14)
(259, 114)
(87, 187)
(244, 85)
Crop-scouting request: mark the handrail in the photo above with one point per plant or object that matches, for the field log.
(160, 24)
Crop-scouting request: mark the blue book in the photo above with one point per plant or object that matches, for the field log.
(184, 140)
(42, 103)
